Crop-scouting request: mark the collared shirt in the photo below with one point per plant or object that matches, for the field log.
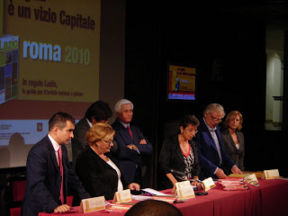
(128, 125)
(215, 138)
(125, 124)
(89, 123)
(113, 165)
(56, 147)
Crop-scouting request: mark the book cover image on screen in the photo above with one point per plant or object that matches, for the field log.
(181, 83)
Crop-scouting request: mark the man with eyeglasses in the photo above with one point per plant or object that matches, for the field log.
(212, 156)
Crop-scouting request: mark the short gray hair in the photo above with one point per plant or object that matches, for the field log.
(117, 107)
(214, 107)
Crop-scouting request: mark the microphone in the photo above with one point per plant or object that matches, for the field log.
(177, 172)
(182, 174)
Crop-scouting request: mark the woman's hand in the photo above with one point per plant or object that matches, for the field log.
(134, 186)
(197, 184)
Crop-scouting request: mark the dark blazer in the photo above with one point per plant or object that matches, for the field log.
(129, 159)
(44, 179)
(207, 152)
(98, 177)
(237, 155)
(79, 141)
(171, 157)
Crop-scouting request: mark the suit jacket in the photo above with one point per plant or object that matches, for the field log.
(98, 177)
(207, 152)
(79, 141)
(44, 179)
(237, 155)
(129, 159)
(171, 157)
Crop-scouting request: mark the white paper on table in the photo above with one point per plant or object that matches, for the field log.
(140, 197)
(154, 192)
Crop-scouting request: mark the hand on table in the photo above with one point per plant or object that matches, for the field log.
(236, 170)
(134, 186)
(197, 184)
(220, 173)
(62, 208)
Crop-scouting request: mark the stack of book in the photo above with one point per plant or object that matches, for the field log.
(232, 184)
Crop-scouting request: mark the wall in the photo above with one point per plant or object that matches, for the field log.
(112, 51)
(228, 48)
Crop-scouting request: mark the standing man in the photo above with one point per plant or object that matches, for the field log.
(132, 145)
(212, 156)
(99, 111)
(49, 172)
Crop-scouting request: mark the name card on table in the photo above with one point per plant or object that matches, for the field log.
(208, 183)
(184, 190)
(271, 174)
(92, 204)
(122, 196)
(251, 179)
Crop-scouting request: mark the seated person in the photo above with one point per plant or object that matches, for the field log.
(95, 167)
(99, 111)
(178, 157)
(233, 138)
(49, 174)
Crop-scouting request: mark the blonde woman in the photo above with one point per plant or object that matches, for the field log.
(95, 167)
(233, 138)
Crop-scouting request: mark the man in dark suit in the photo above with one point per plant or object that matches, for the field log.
(48, 171)
(212, 156)
(97, 112)
(132, 145)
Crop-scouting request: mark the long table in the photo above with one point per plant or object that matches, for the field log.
(269, 198)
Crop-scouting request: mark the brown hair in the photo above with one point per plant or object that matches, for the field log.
(189, 119)
(59, 119)
(231, 115)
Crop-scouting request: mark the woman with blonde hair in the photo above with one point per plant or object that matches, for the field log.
(96, 168)
(233, 138)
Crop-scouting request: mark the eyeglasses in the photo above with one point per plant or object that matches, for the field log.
(108, 141)
(215, 118)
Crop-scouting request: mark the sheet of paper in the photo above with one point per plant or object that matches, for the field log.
(154, 192)
(140, 197)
